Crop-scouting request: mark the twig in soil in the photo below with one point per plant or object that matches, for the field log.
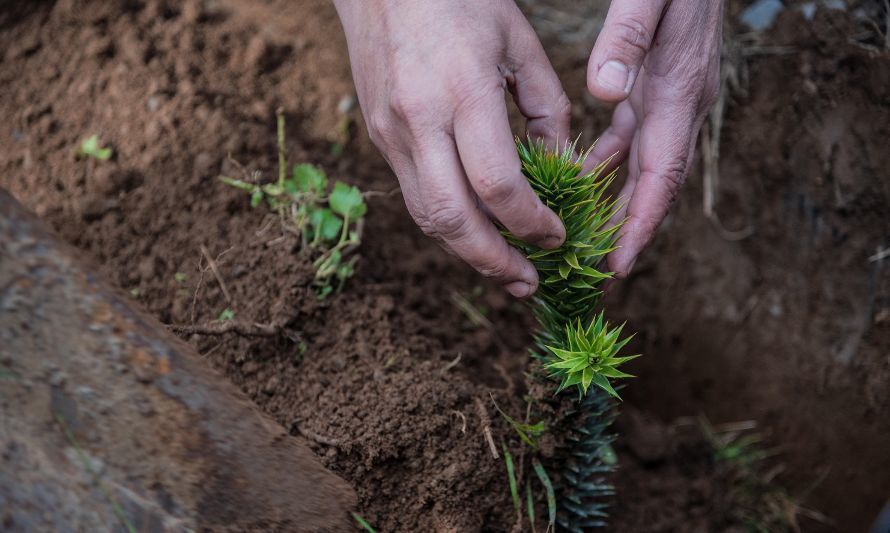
(372, 194)
(486, 428)
(453, 363)
(470, 311)
(463, 420)
(511, 387)
(228, 326)
(215, 270)
(320, 439)
(201, 271)
(210, 351)
(881, 254)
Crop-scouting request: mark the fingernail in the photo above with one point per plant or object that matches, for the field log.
(519, 289)
(613, 75)
(551, 241)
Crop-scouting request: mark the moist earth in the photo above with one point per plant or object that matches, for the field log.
(775, 314)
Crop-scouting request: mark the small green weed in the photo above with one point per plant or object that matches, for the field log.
(88, 467)
(227, 314)
(180, 277)
(758, 502)
(364, 523)
(328, 220)
(91, 147)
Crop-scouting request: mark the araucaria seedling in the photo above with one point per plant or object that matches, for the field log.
(578, 349)
(328, 222)
(576, 345)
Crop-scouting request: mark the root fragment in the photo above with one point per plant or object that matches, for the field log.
(486, 428)
(315, 437)
(215, 270)
(229, 326)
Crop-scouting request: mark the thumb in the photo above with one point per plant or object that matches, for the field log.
(621, 47)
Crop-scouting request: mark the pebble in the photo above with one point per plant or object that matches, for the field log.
(147, 268)
(155, 101)
(93, 206)
(203, 165)
(256, 53)
(346, 104)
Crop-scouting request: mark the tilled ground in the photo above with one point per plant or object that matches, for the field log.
(787, 326)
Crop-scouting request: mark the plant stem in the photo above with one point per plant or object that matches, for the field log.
(282, 162)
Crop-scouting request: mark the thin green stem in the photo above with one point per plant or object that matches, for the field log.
(88, 466)
(282, 162)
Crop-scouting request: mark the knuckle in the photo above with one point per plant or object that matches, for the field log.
(448, 220)
(493, 269)
(675, 173)
(407, 104)
(563, 108)
(379, 128)
(495, 187)
(632, 35)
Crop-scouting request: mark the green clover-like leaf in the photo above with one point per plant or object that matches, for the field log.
(347, 201)
(325, 224)
(307, 178)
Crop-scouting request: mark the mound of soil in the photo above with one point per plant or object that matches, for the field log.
(389, 381)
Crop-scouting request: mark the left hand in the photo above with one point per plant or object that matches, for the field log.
(660, 59)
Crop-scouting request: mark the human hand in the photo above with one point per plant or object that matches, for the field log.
(430, 77)
(661, 60)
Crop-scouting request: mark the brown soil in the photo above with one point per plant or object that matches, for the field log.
(788, 327)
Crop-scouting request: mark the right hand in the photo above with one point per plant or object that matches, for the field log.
(430, 77)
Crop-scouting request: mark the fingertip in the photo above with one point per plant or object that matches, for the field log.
(555, 238)
(520, 289)
(621, 264)
(609, 81)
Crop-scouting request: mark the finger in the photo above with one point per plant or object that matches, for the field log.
(452, 215)
(621, 47)
(489, 157)
(630, 184)
(665, 147)
(536, 88)
(615, 141)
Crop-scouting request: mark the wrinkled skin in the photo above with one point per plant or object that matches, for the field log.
(431, 77)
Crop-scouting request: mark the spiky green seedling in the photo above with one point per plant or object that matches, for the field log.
(589, 356)
(577, 347)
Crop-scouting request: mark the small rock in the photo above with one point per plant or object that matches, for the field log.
(203, 165)
(147, 268)
(155, 101)
(98, 47)
(271, 385)
(346, 104)
(93, 206)
(260, 110)
(104, 180)
(256, 53)
(192, 11)
(132, 49)
(57, 378)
